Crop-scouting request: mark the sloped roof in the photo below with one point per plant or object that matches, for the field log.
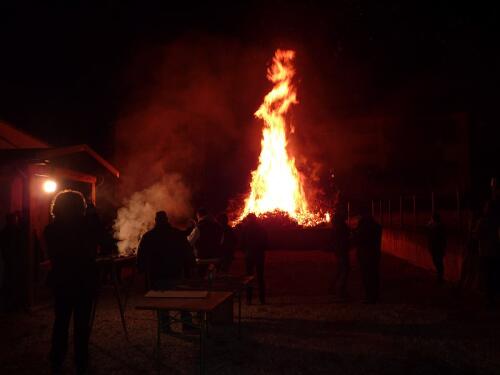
(16, 144)
(12, 138)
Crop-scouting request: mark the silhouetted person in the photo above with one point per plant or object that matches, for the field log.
(470, 262)
(11, 247)
(368, 238)
(254, 244)
(436, 236)
(165, 256)
(107, 244)
(72, 247)
(340, 244)
(205, 238)
(489, 253)
(229, 242)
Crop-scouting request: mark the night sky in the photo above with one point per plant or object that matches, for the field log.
(64, 69)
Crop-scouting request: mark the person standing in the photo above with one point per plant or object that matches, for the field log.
(437, 244)
(340, 244)
(470, 261)
(12, 240)
(228, 242)
(205, 238)
(368, 239)
(72, 248)
(489, 253)
(254, 243)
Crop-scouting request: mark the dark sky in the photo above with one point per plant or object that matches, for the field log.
(63, 68)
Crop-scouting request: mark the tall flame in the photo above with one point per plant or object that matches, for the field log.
(276, 183)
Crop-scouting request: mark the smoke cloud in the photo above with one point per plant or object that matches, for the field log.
(170, 194)
(188, 110)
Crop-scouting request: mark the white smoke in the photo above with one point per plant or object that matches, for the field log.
(138, 213)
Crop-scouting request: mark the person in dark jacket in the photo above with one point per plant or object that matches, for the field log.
(164, 254)
(489, 253)
(368, 238)
(12, 244)
(228, 242)
(340, 244)
(437, 244)
(72, 247)
(254, 243)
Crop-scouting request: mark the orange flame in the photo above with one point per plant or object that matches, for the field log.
(276, 183)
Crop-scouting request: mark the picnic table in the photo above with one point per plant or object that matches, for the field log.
(203, 305)
(232, 283)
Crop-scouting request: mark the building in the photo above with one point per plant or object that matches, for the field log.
(31, 173)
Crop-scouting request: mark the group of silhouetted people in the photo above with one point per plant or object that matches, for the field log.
(366, 238)
(165, 255)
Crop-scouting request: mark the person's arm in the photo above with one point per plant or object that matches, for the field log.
(193, 238)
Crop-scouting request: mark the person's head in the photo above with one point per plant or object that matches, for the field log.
(487, 208)
(201, 213)
(68, 205)
(223, 219)
(91, 210)
(161, 218)
(365, 211)
(436, 217)
(251, 219)
(339, 217)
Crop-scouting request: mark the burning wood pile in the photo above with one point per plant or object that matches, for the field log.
(277, 187)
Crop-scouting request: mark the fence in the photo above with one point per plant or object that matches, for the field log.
(404, 219)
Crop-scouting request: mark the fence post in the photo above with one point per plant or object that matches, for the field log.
(414, 211)
(401, 211)
(373, 208)
(348, 212)
(459, 211)
(433, 207)
(380, 211)
(390, 214)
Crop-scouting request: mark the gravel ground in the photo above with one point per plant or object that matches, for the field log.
(417, 328)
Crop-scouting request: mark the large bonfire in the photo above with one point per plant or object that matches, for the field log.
(277, 185)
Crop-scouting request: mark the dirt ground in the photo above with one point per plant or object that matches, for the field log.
(417, 328)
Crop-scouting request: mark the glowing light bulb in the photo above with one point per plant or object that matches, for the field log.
(49, 186)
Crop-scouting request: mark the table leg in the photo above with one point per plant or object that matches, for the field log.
(127, 291)
(92, 313)
(239, 314)
(118, 298)
(203, 342)
(158, 340)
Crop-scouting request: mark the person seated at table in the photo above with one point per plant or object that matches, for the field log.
(205, 238)
(228, 242)
(72, 243)
(254, 244)
(165, 256)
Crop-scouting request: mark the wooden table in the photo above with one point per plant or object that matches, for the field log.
(203, 306)
(231, 283)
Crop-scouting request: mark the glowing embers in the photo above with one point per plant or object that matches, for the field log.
(276, 185)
